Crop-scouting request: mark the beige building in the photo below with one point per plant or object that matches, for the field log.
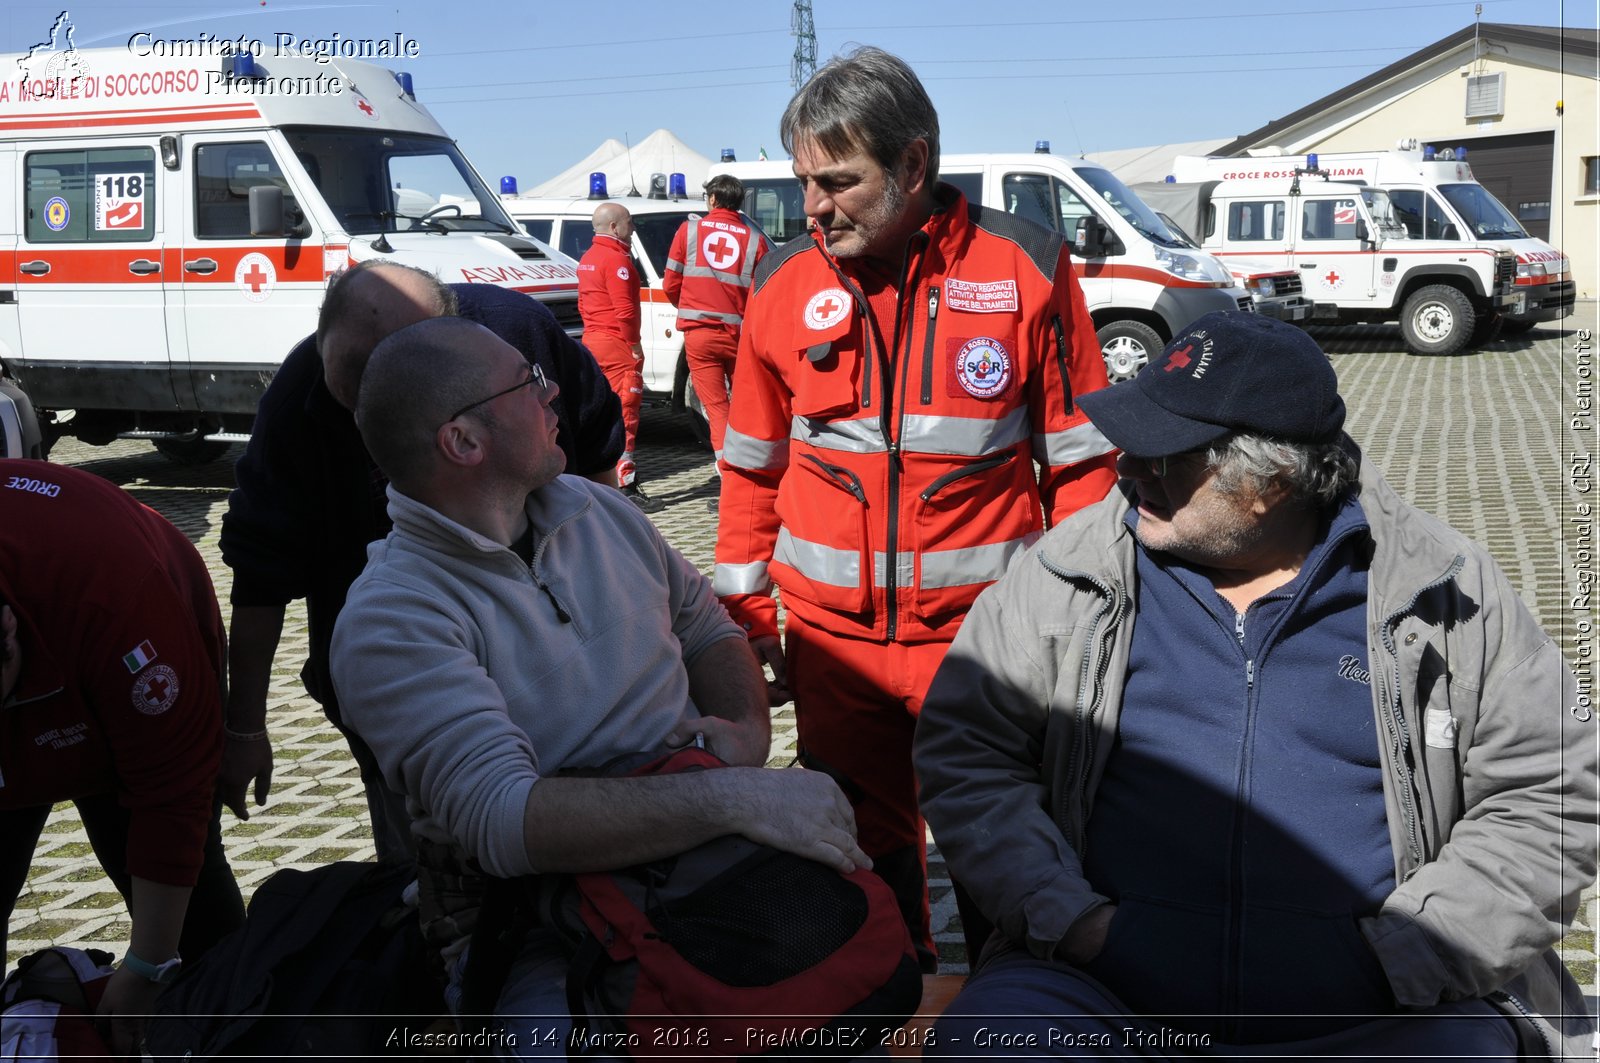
(1523, 100)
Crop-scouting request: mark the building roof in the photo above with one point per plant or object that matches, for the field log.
(1581, 43)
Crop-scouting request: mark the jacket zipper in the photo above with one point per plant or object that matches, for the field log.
(892, 421)
(981, 465)
(1532, 1020)
(927, 345)
(538, 552)
(1236, 835)
(1061, 359)
(840, 476)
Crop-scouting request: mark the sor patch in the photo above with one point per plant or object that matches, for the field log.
(981, 368)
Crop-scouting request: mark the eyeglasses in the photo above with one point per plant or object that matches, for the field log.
(536, 377)
(1163, 465)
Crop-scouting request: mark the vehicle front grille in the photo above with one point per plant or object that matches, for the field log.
(564, 305)
(1287, 285)
(1505, 272)
(1247, 304)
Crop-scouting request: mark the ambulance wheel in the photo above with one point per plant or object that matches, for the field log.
(1516, 327)
(1437, 319)
(1127, 346)
(190, 450)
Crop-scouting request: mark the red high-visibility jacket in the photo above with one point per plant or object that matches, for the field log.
(711, 268)
(881, 472)
(608, 289)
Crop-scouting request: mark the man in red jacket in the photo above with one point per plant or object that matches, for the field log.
(608, 300)
(710, 269)
(903, 370)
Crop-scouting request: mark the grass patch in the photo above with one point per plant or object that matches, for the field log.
(97, 901)
(265, 853)
(305, 830)
(70, 851)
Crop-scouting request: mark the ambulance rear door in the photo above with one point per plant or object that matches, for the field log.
(243, 301)
(90, 272)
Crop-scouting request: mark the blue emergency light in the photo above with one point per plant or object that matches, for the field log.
(240, 65)
(727, 155)
(1041, 147)
(678, 184)
(508, 185)
(404, 79)
(1171, 180)
(1427, 153)
(1311, 161)
(1461, 152)
(597, 185)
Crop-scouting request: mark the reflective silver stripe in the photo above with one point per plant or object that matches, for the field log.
(708, 315)
(1071, 446)
(818, 563)
(748, 452)
(673, 263)
(691, 264)
(973, 564)
(973, 436)
(905, 569)
(741, 579)
(856, 437)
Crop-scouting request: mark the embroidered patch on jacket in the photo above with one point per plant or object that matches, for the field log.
(622, 272)
(139, 656)
(1350, 668)
(155, 690)
(982, 367)
(981, 297)
(827, 308)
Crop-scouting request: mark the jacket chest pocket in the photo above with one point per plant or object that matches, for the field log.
(822, 554)
(969, 523)
(826, 378)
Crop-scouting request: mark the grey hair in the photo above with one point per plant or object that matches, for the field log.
(1315, 473)
(865, 100)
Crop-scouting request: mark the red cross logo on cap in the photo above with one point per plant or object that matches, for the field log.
(721, 250)
(1180, 358)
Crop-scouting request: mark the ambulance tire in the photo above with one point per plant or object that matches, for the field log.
(1127, 346)
(190, 451)
(1437, 320)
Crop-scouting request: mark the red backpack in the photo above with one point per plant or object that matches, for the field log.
(732, 948)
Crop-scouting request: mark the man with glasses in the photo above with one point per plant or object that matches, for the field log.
(517, 622)
(309, 497)
(1255, 754)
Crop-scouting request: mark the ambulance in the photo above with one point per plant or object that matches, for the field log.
(1437, 198)
(1356, 256)
(1142, 281)
(565, 223)
(168, 226)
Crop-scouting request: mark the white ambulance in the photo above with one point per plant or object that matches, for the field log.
(1355, 256)
(168, 226)
(565, 223)
(1436, 198)
(1143, 283)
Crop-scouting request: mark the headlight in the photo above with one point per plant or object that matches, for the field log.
(1531, 269)
(1191, 268)
(1261, 286)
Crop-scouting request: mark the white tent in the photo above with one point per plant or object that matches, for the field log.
(625, 169)
(1152, 163)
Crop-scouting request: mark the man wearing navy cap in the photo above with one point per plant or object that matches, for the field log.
(1254, 754)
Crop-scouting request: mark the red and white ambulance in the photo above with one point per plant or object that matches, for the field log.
(168, 225)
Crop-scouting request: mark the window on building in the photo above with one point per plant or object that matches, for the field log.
(99, 195)
(1591, 175)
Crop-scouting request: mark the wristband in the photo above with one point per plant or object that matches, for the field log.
(160, 974)
(243, 736)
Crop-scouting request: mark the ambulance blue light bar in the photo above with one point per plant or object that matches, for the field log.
(508, 185)
(1427, 153)
(1041, 147)
(240, 65)
(597, 186)
(1311, 161)
(1461, 152)
(728, 156)
(406, 87)
(678, 184)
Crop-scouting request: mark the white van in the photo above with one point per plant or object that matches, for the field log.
(172, 224)
(1436, 198)
(564, 223)
(1143, 283)
(1355, 256)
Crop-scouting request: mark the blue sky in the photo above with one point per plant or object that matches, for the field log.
(529, 88)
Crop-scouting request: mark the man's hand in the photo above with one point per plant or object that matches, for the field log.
(120, 1018)
(741, 742)
(769, 651)
(801, 812)
(1086, 937)
(244, 761)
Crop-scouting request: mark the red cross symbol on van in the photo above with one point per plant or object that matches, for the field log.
(255, 278)
(1332, 278)
(366, 108)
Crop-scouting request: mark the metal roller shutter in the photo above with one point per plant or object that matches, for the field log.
(1517, 169)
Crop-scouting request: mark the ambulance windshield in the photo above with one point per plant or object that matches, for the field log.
(1485, 214)
(1130, 206)
(384, 182)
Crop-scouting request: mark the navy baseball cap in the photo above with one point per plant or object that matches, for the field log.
(1229, 371)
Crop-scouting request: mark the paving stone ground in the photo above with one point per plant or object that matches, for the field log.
(1486, 441)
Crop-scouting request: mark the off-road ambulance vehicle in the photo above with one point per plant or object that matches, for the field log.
(564, 222)
(1436, 198)
(1356, 258)
(1141, 281)
(168, 226)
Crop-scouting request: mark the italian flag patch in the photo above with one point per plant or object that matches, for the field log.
(140, 656)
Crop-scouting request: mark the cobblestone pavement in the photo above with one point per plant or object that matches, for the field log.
(1481, 440)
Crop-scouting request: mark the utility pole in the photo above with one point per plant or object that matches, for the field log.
(804, 63)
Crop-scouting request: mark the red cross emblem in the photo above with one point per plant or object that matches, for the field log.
(1180, 358)
(721, 250)
(828, 307)
(825, 309)
(1333, 278)
(155, 689)
(366, 108)
(255, 278)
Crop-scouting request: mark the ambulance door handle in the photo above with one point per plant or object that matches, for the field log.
(143, 266)
(35, 269)
(200, 265)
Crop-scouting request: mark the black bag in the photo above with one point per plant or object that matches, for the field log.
(330, 962)
(730, 949)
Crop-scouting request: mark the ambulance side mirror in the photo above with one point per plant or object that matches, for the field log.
(266, 211)
(1090, 238)
(1363, 231)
